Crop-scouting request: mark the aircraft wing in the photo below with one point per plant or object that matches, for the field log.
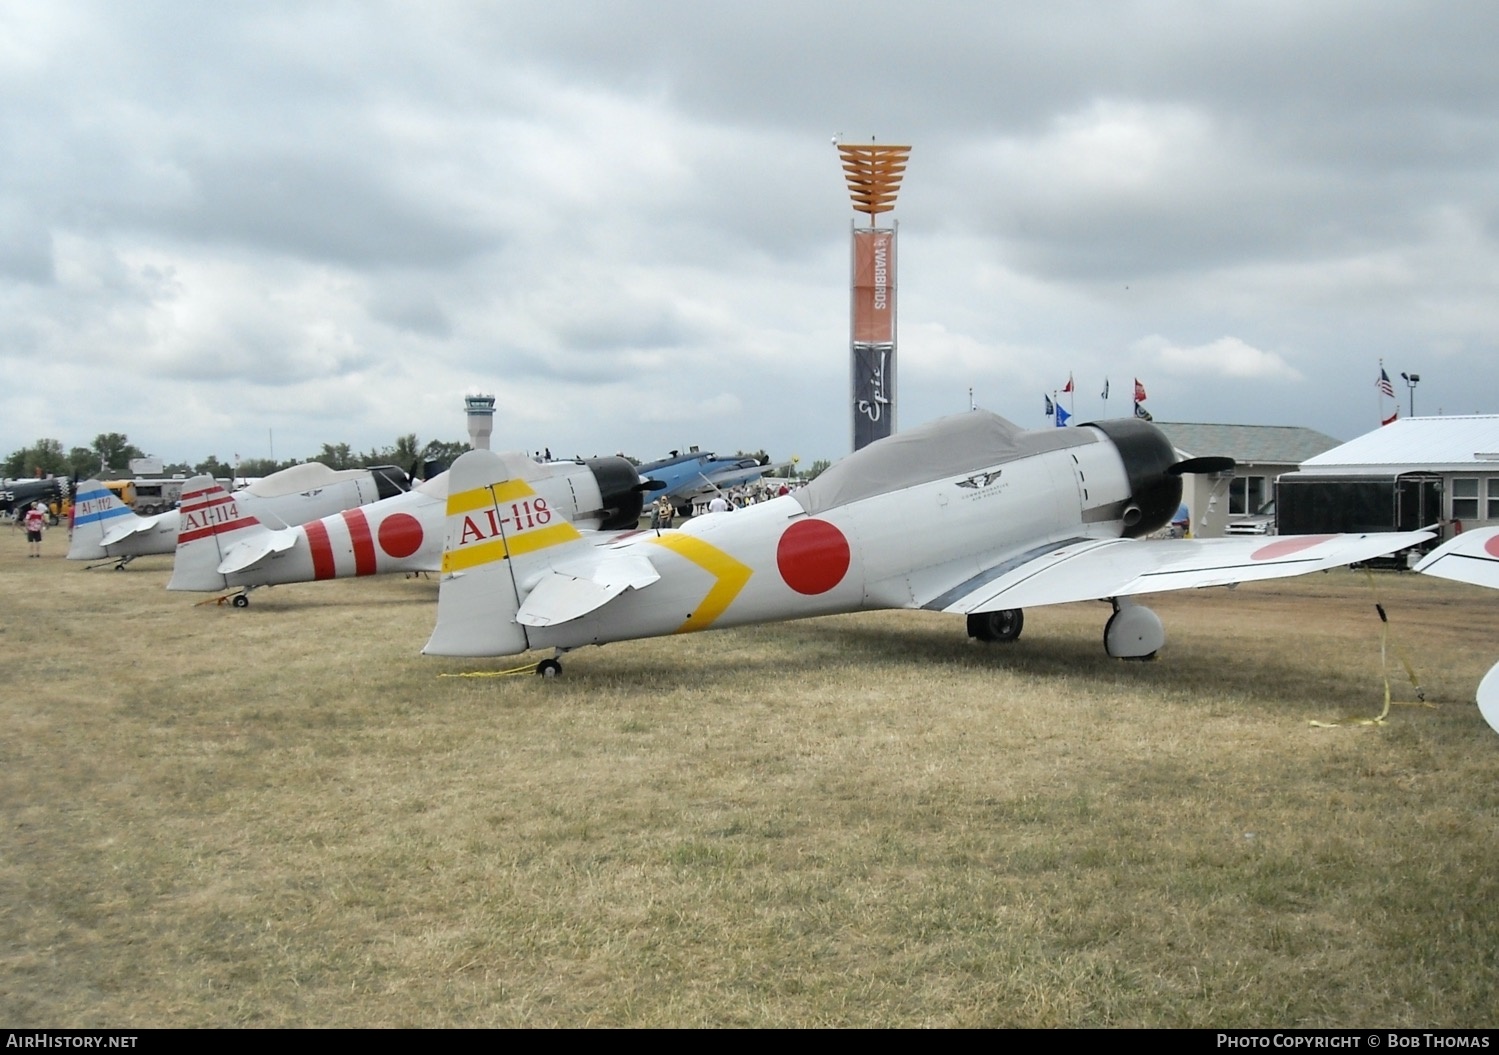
(574, 588)
(1092, 569)
(248, 554)
(733, 475)
(1471, 557)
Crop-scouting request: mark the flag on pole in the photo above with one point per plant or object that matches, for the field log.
(1050, 409)
(1062, 416)
(1139, 391)
(1391, 419)
(1141, 412)
(1385, 388)
(1105, 394)
(1067, 389)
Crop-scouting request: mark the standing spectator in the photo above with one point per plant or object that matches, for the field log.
(36, 523)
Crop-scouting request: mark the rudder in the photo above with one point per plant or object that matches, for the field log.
(212, 521)
(96, 511)
(501, 539)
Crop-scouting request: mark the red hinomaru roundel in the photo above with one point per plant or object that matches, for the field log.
(812, 556)
(400, 535)
(1286, 547)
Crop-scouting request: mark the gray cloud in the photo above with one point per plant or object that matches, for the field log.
(328, 222)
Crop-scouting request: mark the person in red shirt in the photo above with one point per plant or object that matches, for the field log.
(35, 523)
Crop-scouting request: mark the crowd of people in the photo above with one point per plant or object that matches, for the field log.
(664, 512)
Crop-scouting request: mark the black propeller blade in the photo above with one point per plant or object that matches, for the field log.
(1202, 465)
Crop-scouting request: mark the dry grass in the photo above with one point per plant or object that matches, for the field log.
(283, 815)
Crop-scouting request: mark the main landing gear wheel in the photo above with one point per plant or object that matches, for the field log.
(996, 626)
(1133, 632)
(241, 601)
(548, 668)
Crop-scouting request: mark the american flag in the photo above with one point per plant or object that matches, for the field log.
(1385, 388)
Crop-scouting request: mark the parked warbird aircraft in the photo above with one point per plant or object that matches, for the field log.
(1472, 557)
(223, 545)
(969, 514)
(698, 474)
(104, 528)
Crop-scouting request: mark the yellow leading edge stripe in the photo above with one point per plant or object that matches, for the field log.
(485, 497)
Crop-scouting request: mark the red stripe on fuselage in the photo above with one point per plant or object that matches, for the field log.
(321, 549)
(363, 540)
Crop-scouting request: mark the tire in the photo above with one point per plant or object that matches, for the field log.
(1004, 625)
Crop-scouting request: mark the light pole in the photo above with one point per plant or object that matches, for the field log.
(1411, 381)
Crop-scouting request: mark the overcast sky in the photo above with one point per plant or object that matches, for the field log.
(224, 226)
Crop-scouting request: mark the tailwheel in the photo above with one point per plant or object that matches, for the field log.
(548, 668)
(1004, 625)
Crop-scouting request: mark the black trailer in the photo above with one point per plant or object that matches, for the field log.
(1323, 504)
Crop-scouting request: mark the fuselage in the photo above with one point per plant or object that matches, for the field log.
(400, 534)
(292, 496)
(873, 535)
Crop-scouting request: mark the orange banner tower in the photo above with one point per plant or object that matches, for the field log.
(874, 173)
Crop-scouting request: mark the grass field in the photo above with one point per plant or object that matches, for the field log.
(283, 815)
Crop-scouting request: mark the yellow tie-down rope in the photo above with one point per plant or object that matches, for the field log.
(524, 668)
(1385, 644)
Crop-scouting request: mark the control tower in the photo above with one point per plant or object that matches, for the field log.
(480, 411)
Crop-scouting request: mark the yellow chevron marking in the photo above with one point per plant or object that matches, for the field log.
(729, 577)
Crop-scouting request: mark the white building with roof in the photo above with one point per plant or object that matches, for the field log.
(1442, 470)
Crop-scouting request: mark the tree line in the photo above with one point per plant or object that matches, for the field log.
(111, 453)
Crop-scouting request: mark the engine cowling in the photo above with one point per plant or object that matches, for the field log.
(1148, 457)
(621, 492)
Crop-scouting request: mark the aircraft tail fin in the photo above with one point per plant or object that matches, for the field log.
(96, 512)
(502, 540)
(211, 523)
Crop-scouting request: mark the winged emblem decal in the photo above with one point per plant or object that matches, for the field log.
(979, 481)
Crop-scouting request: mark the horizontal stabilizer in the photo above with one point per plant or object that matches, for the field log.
(572, 591)
(247, 554)
(137, 526)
